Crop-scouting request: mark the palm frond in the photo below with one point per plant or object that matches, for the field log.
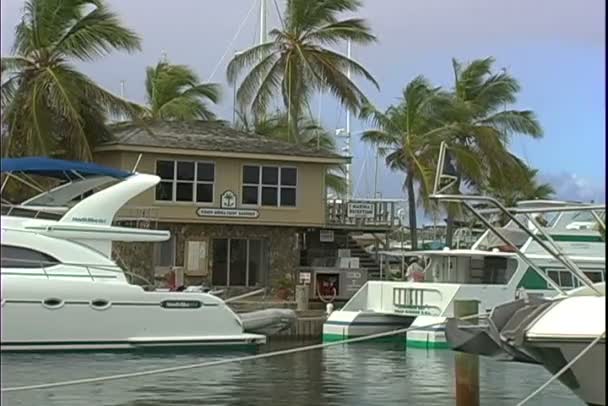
(96, 34)
(247, 58)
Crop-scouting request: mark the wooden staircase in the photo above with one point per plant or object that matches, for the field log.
(366, 260)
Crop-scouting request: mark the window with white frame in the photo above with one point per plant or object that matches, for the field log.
(185, 181)
(269, 185)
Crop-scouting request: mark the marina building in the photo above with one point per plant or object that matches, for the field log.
(244, 211)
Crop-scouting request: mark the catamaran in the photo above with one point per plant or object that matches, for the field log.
(61, 289)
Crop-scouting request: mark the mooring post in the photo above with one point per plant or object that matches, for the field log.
(302, 297)
(466, 365)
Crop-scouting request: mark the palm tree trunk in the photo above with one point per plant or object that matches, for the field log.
(411, 199)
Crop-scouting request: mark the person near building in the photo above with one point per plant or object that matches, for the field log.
(415, 272)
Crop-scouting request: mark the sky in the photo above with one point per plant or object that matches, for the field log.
(555, 48)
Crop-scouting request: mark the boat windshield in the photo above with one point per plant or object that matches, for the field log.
(473, 270)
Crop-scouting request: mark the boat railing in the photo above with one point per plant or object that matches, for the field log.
(30, 264)
(546, 242)
(46, 213)
(139, 216)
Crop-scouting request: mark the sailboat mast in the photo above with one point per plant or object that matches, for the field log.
(348, 134)
(263, 29)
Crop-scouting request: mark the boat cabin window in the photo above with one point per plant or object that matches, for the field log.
(595, 276)
(485, 270)
(565, 279)
(19, 257)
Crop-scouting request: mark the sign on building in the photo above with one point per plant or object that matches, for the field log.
(227, 208)
(228, 200)
(248, 213)
(360, 210)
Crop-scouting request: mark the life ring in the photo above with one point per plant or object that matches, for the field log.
(333, 297)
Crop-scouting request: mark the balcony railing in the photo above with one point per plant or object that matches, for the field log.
(362, 213)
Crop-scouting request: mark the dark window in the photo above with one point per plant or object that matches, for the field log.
(184, 192)
(220, 262)
(18, 257)
(566, 279)
(288, 197)
(205, 172)
(554, 275)
(250, 195)
(164, 191)
(288, 176)
(595, 277)
(269, 196)
(275, 187)
(192, 181)
(204, 192)
(251, 174)
(238, 262)
(165, 169)
(185, 171)
(270, 175)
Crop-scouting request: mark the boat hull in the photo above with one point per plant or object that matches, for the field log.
(342, 325)
(586, 377)
(62, 314)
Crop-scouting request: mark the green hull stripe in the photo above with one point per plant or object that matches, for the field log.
(330, 338)
(574, 238)
(436, 345)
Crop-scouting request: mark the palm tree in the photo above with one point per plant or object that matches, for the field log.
(298, 60)
(483, 125)
(409, 134)
(48, 105)
(531, 188)
(174, 92)
(310, 133)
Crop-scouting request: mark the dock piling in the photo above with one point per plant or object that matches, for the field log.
(466, 365)
(302, 297)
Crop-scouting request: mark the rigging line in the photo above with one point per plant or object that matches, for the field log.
(238, 31)
(221, 362)
(278, 10)
(564, 369)
(358, 182)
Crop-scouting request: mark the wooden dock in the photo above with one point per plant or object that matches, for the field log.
(309, 325)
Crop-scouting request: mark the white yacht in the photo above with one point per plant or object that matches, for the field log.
(551, 332)
(61, 290)
(491, 273)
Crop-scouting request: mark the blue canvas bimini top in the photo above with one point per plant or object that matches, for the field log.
(58, 168)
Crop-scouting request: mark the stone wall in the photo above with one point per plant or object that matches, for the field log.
(136, 258)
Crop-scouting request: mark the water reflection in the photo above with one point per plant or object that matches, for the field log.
(361, 374)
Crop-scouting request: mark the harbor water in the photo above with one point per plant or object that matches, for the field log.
(356, 374)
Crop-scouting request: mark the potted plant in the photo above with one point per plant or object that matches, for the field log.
(284, 287)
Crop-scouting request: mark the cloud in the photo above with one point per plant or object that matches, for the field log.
(569, 186)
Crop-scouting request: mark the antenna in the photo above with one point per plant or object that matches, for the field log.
(122, 89)
(137, 163)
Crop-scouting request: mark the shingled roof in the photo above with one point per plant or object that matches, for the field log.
(207, 136)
